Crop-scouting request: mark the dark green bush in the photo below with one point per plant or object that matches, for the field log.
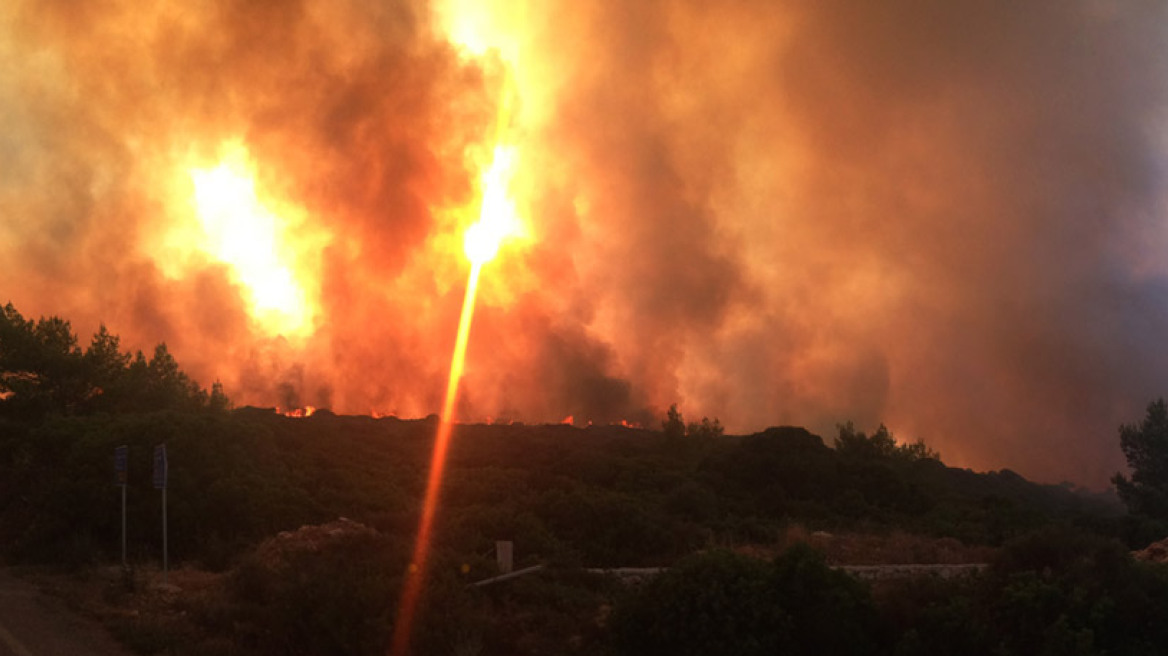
(724, 603)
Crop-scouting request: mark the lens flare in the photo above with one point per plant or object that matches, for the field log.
(412, 589)
(497, 220)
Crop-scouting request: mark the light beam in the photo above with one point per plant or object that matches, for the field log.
(412, 588)
(481, 243)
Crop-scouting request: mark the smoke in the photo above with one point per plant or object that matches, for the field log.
(944, 216)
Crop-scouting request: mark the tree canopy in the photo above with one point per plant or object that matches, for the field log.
(1145, 445)
(882, 444)
(44, 371)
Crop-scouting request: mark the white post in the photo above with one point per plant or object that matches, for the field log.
(504, 556)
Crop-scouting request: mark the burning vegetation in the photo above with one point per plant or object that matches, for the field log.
(944, 219)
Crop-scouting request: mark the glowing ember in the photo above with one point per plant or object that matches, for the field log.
(240, 231)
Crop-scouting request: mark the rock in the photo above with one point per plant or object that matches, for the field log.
(308, 538)
(1157, 552)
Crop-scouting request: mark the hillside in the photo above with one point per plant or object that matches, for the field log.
(740, 536)
(599, 496)
(568, 498)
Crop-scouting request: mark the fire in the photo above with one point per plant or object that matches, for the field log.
(243, 232)
(306, 411)
(477, 28)
(497, 218)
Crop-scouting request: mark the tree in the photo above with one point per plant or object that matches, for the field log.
(674, 425)
(41, 366)
(706, 428)
(881, 445)
(1146, 448)
(43, 371)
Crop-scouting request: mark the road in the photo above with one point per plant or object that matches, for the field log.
(34, 624)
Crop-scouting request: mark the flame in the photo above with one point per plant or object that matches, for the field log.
(306, 411)
(497, 218)
(569, 420)
(243, 232)
(477, 29)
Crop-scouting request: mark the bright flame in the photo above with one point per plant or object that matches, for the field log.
(242, 232)
(497, 219)
(475, 26)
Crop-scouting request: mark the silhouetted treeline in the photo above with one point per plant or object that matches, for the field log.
(569, 498)
(43, 371)
(600, 496)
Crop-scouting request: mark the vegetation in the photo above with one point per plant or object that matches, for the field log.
(44, 372)
(720, 602)
(1146, 448)
(687, 497)
(1054, 591)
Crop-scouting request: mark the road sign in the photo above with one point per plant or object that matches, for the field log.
(120, 463)
(160, 467)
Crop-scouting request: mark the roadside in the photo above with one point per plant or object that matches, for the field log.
(33, 623)
(137, 609)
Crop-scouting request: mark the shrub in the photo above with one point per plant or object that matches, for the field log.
(723, 603)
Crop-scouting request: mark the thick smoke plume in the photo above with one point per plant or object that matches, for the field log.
(948, 217)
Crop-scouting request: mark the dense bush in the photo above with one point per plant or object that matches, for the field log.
(724, 603)
(336, 598)
(1055, 591)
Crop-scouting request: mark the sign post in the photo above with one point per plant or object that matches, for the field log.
(160, 471)
(120, 467)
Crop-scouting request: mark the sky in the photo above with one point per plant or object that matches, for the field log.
(946, 217)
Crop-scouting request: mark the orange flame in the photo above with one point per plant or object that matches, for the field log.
(255, 237)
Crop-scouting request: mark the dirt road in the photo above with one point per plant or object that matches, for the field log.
(34, 624)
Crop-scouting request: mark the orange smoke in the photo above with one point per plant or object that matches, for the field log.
(945, 218)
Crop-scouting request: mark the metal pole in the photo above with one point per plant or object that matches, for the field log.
(164, 545)
(124, 566)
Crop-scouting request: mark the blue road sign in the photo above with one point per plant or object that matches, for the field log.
(160, 467)
(120, 463)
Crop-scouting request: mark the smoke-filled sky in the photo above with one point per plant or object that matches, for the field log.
(947, 217)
